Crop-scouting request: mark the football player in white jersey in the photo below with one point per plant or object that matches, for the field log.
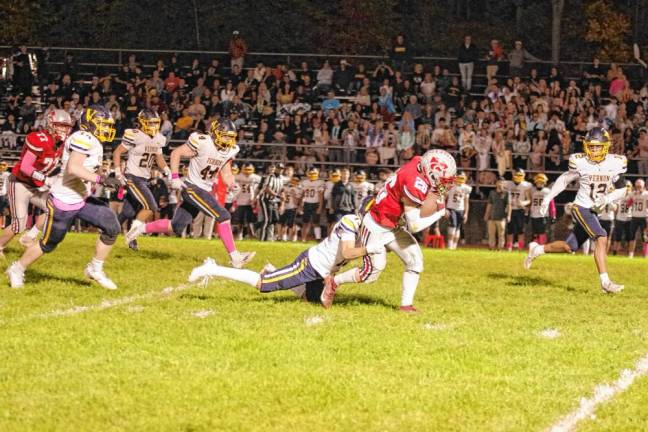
(639, 200)
(597, 173)
(361, 188)
(291, 196)
(311, 266)
(622, 220)
(4, 183)
(538, 220)
(312, 202)
(144, 148)
(520, 197)
(71, 198)
(244, 215)
(209, 155)
(458, 205)
(232, 190)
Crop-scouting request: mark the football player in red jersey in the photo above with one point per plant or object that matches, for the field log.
(30, 177)
(424, 179)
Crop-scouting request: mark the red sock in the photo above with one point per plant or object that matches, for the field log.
(520, 244)
(542, 239)
(160, 226)
(645, 249)
(225, 233)
(509, 245)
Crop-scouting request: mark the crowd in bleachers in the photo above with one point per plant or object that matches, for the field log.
(360, 114)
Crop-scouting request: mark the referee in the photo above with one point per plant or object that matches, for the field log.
(269, 199)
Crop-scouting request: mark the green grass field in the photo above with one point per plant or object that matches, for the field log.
(227, 358)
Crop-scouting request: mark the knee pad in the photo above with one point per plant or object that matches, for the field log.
(372, 267)
(223, 216)
(413, 259)
(108, 239)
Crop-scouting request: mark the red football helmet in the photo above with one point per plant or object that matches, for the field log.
(59, 124)
(440, 168)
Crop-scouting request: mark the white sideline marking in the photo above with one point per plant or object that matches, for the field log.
(434, 326)
(550, 333)
(203, 313)
(314, 320)
(602, 393)
(107, 304)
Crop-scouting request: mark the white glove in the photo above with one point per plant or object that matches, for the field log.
(374, 248)
(544, 208)
(176, 184)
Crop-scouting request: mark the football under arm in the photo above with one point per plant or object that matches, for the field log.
(561, 184)
(183, 151)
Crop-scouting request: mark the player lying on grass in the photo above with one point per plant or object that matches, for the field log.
(597, 172)
(312, 265)
(415, 192)
(71, 198)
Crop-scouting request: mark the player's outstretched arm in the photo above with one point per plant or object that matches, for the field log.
(116, 156)
(161, 163)
(560, 185)
(349, 251)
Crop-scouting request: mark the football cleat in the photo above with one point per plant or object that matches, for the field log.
(204, 272)
(408, 309)
(132, 234)
(611, 287)
(239, 259)
(268, 268)
(133, 246)
(328, 293)
(100, 277)
(16, 275)
(533, 254)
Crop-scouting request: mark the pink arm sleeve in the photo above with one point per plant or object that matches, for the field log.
(27, 163)
(552, 209)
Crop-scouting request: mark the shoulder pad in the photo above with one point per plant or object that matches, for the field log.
(81, 141)
(350, 223)
(197, 139)
(573, 160)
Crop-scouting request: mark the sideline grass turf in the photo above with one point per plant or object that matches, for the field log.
(227, 358)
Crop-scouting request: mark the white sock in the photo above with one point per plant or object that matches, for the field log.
(33, 232)
(605, 279)
(19, 266)
(318, 232)
(410, 282)
(97, 264)
(138, 225)
(239, 275)
(538, 250)
(348, 276)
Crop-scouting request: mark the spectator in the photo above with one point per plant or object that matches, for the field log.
(330, 103)
(237, 50)
(400, 53)
(517, 58)
(595, 74)
(494, 56)
(343, 77)
(325, 77)
(642, 152)
(343, 195)
(497, 214)
(22, 73)
(467, 56)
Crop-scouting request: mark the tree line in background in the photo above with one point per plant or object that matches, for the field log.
(551, 29)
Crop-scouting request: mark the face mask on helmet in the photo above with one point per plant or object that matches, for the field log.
(540, 180)
(59, 124)
(3, 167)
(313, 174)
(336, 176)
(460, 179)
(518, 177)
(100, 123)
(248, 169)
(360, 177)
(596, 144)
(235, 169)
(223, 134)
(149, 122)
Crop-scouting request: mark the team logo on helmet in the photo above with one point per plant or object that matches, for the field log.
(99, 122)
(224, 134)
(439, 167)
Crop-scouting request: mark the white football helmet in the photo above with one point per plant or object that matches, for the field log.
(440, 168)
(59, 124)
